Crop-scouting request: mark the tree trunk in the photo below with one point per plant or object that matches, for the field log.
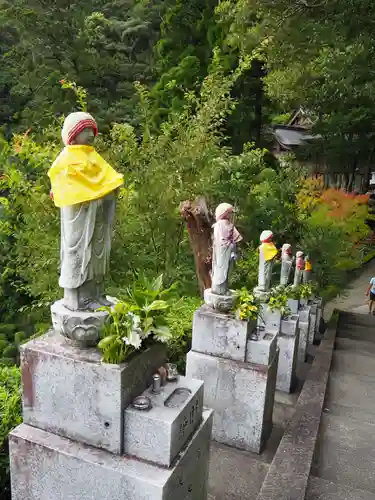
(199, 222)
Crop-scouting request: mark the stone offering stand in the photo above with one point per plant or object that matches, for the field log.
(82, 439)
(239, 376)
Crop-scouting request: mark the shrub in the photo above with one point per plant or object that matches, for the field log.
(10, 417)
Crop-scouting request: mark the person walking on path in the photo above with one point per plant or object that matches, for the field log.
(371, 292)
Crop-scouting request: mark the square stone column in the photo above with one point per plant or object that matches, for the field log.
(313, 318)
(239, 381)
(304, 328)
(288, 342)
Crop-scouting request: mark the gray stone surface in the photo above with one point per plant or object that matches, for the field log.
(220, 334)
(220, 303)
(312, 327)
(304, 314)
(289, 326)
(48, 467)
(158, 435)
(82, 328)
(262, 351)
(234, 474)
(68, 391)
(288, 357)
(345, 452)
(293, 305)
(319, 489)
(270, 319)
(303, 340)
(288, 475)
(241, 395)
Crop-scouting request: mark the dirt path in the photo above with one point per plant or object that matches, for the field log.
(353, 298)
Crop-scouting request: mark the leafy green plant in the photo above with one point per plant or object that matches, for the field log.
(180, 322)
(137, 321)
(278, 301)
(307, 290)
(246, 305)
(10, 417)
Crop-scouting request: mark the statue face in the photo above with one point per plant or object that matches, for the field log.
(85, 138)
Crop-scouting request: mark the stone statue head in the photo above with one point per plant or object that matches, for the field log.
(79, 129)
(266, 236)
(224, 211)
(286, 250)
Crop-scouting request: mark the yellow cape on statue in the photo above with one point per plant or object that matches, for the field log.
(79, 174)
(269, 251)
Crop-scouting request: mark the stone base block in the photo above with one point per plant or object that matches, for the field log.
(81, 328)
(304, 314)
(288, 344)
(293, 305)
(241, 395)
(271, 320)
(262, 351)
(221, 303)
(70, 392)
(303, 340)
(220, 334)
(159, 434)
(47, 467)
(290, 326)
(312, 326)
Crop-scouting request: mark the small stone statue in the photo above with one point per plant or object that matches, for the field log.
(225, 237)
(308, 270)
(286, 263)
(300, 267)
(84, 187)
(267, 255)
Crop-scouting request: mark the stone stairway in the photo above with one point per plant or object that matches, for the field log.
(344, 462)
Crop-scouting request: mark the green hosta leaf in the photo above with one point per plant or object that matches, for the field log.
(147, 323)
(107, 341)
(158, 283)
(162, 334)
(158, 305)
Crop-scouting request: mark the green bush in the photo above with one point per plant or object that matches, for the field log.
(180, 322)
(10, 417)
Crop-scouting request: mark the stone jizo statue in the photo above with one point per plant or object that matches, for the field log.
(267, 256)
(286, 263)
(300, 267)
(225, 237)
(308, 270)
(84, 187)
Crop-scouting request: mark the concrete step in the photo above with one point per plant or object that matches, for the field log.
(345, 453)
(352, 412)
(351, 389)
(353, 362)
(356, 333)
(319, 489)
(234, 474)
(365, 347)
(348, 318)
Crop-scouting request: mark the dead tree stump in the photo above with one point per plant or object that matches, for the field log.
(199, 226)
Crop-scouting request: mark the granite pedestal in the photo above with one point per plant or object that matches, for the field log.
(313, 318)
(288, 342)
(45, 466)
(270, 320)
(241, 392)
(81, 439)
(68, 391)
(294, 305)
(304, 327)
